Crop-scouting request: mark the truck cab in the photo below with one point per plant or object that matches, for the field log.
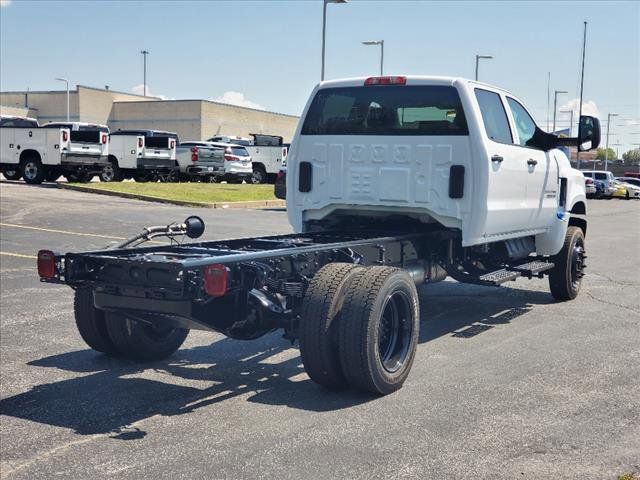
(437, 150)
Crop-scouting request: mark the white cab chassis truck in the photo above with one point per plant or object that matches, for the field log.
(392, 182)
(144, 155)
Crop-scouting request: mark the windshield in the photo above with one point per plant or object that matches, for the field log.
(386, 110)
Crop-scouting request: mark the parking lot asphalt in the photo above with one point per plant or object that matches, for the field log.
(506, 383)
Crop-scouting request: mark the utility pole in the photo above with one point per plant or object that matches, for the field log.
(144, 85)
(478, 57)
(584, 48)
(606, 150)
(570, 119)
(548, 97)
(555, 103)
(324, 29)
(381, 43)
(67, 83)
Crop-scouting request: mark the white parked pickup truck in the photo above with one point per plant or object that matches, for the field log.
(267, 154)
(38, 153)
(144, 155)
(392, 182)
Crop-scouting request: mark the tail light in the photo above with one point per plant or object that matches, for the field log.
(194, 154)
(104, 139)
(386, 81)
(46, 264)
(215, 280)
(172, 144)
(140, 142)
(65, 136)
(228, 155)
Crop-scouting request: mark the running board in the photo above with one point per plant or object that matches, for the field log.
(528, 270)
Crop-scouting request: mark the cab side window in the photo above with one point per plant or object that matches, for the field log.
(494, 116)
(525, 126)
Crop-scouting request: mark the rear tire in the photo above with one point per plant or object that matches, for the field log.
(91, 323)
(259, 175)
(111, 172)
(33, 172)
(142, 342)
(320, 318)
(379, 330)
(565, 277)
(79, 177)
(13, 174)
(52, 174)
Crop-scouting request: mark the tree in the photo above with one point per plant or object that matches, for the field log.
(601, 154)
(632, 157)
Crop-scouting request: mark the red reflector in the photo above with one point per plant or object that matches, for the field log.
(46, 264)
(194, 154)
(386, 81)
(104, 138)
(65, 135)
(140, 142)
(215, 280)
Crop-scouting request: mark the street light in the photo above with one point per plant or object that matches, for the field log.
(570, 120)
(144, 84)
(381, 43)
(67, 83)
(324, 29)
(606, 150)
(555, 103)
(478, 57)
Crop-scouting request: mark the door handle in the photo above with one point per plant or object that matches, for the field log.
(531, 162)
(497, 158)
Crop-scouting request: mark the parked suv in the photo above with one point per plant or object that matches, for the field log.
(214, 161)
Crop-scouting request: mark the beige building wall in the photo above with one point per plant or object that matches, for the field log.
(96, 104)
(180, 116)
(221, 119)
(51, 106)
(14, 111)
(200, 119)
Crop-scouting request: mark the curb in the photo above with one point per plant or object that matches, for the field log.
(184, 203)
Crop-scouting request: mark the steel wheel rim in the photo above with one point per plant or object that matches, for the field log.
(107, 173)
(10, 173)
(257, 177)
(395, 329)
(577, 264)
(30, 170)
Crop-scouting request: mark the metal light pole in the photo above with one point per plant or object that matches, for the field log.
(555, 104)
(478, 57)
(606, 150)
(570, 120)
(324, 29)
(381, 43)
(144, 85)
(67, 82)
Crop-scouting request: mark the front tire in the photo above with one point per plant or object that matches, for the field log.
(142, 342)
(379, 330)
(111, 172)
(565, 278)
(319, 324)
(91, 323)
(259, 176)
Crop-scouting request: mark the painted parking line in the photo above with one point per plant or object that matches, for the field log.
(51, 230)
(19, 255)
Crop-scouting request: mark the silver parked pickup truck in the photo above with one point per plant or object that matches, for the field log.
(214, 161)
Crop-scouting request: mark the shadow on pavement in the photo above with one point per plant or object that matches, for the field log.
(110, 395)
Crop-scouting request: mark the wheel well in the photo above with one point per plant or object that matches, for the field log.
(112, 158)
(579, 208)
(580, 223)
(27, 154)
(259, 166)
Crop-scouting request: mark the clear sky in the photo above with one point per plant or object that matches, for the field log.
(267, 53)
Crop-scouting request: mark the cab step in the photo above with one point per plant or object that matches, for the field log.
(528, 270)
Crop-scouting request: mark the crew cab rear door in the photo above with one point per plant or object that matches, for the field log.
(507, 210)
(542, 168)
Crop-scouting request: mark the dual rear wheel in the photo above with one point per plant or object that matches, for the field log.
(119, 335)
(360, 327)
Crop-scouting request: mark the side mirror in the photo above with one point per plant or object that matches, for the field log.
(194, 226)
(588, 133)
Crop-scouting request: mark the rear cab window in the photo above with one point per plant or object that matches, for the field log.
(239, 151)
(386, 110)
